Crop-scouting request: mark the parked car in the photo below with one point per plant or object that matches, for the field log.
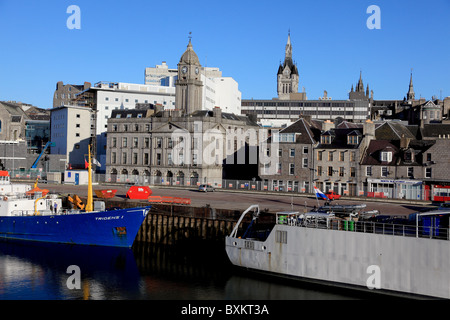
(205, 188)
(332, 195)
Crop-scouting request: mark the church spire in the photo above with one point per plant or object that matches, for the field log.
(288, 51)
(410, 95)
(360, 85)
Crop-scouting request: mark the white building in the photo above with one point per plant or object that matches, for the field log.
(71, 129)
(104, 97)
(153, 76)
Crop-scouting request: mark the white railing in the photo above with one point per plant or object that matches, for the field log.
(331, 223)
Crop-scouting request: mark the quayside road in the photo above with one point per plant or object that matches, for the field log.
(240, 200)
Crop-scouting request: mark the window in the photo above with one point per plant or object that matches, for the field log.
(305, 150)
(353, 139)
(368, 171)
(330, 155)
(352, 172)
(319, 155)
(113, 157)
(135, 158)
(159, 142)
(341, 171)
(135, 142)
(77, 134)
(291, 168)
(78, 115)
(386, 156)
(158, 159)
(114, 127)
(305, 163)
(169, 159)
(410, 172)
(325, 139)
(124, 142)
(330, 171)
(124, 158)
(319, 170)
(428, 156)
(428, 172)
(280, 152)
(77, 125)
(106, 99)
(146, 142)
(384, 171)
(342, 156)
(146, 158)
(278, 168)
(292, 152)
(114, 142)
(194, 159)
(352, 156)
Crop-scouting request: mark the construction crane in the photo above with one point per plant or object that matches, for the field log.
(48, 144)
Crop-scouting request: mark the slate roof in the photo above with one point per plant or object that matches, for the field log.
(372, 156)
(339, 138)
(306, 133)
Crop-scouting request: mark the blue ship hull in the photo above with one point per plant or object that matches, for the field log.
(117, 228)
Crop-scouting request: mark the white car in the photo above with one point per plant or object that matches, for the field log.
(205, 188)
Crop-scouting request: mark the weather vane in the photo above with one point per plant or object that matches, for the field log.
(190, 36)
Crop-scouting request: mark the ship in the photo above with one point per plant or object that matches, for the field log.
(409, 257)
(28, 214)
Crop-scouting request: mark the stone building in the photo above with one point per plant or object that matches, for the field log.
(337, 158)
(185, 146)
(295, 157)
(167, 147)
(65, 93)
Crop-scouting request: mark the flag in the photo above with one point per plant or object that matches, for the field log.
(320, 194)
(95, 161)
(86, 164)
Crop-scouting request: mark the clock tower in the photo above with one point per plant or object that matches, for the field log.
(188, 91)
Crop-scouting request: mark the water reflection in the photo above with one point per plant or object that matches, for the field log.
(36, 271)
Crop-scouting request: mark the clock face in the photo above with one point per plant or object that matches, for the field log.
(184, 69)
(196, 70)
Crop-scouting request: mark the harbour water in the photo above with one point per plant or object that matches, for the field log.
(33, 271)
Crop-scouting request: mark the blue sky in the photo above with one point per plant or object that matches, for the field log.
(245, 39)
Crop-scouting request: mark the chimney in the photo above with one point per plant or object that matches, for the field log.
(217, 114)
(327, 125)
(369, 129)
(404, 142)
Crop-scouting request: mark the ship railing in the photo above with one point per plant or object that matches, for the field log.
(332, 223)
(43, 212)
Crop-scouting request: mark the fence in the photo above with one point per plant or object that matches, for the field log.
(300, 187)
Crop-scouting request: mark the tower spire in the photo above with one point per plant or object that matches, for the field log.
(410, 95)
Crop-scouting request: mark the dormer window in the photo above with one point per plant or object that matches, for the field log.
(352, 139)
(386, 156)
(325, 139)
(409, 156)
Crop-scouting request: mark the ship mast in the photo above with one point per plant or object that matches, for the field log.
(89, 202)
